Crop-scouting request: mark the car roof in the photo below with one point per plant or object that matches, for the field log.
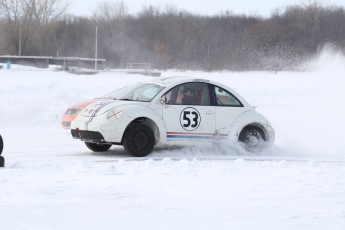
(166, 81)
(172, 81)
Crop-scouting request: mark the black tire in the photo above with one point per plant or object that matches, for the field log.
(1, 145)
(253, 139)
(97, 147)
(138, 140)
(2, 161)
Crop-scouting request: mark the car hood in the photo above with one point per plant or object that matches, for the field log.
(102, 106)
(83, 104)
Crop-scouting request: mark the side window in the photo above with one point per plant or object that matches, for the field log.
(193, 93)
(170, 97)
(224, 98)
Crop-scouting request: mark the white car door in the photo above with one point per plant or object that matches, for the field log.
(228, 108)
(188, 114)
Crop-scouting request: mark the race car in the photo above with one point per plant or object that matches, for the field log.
(72, 112)
(174, 111)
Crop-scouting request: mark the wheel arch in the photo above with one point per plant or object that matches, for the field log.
(150, 123)
(249, 119)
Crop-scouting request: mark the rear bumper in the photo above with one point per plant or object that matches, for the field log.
(271, 135)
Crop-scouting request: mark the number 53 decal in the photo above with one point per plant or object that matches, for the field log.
(190, 119)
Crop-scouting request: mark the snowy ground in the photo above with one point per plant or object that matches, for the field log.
(52, 181)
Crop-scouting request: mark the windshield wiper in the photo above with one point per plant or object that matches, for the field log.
(125, 99)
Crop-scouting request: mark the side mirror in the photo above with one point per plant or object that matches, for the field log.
(163, 100)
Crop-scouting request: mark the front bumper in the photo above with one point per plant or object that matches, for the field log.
(88, 136)
(98, 129)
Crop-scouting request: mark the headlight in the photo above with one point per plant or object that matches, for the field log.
(114, 114)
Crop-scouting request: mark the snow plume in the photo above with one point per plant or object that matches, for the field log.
(329, 59)
(315, 117)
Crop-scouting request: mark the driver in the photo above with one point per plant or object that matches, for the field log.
(189, 96)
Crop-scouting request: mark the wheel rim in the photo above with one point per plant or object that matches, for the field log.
(140, 140)
(253, 140)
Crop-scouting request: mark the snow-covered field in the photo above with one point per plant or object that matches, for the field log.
(52, 181)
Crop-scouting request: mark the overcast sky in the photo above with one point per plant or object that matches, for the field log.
(204, 7)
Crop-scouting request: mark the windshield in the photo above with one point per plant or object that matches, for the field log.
(138, 92)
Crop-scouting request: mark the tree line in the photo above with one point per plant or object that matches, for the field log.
(171, 38)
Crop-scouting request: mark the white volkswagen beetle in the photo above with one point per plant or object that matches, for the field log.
(171, 111)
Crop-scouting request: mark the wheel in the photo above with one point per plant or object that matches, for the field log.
(97, 147)
(2, 161)
(1, 145)
(138, 140)
(253, 139)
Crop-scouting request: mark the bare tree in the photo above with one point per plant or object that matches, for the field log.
(11, 9)
(28, 22)
(173, 38)
(110, 17)
(108, 11)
